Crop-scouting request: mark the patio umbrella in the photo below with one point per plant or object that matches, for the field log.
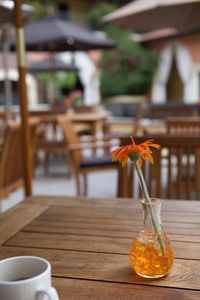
(55, 34)
(47, 34)
(51, 64)
(154, 14)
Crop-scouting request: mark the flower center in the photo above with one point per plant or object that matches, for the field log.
(133, 156)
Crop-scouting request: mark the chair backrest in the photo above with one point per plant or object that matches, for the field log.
(183, 125)
(11, 159)
(71, 138)
(49, 129)
(175, 173)
(163, 111)
(137, 119)
(2, 118)
(11, 174)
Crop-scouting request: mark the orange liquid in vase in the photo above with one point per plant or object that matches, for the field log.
(147, 258)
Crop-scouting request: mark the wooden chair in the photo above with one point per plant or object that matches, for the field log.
(50, 139)
(162, 111)
(2, 119)
(183, 125)
(175, 174)
(175, 125)
(133, 124)
(11, 160)
(80, 164)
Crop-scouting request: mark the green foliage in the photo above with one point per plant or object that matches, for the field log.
(61, 79)
(41, 8)
(66, 80)
(99, 11)
(129, 68)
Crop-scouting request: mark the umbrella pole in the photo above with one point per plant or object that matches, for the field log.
(52, 81)
(18, 19)
(7, 82)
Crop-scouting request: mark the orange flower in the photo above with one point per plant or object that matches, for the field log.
(134, 152)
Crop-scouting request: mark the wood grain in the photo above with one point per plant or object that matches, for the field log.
(87, 242)
(126, 222)
(105, 229)
(120, 213)
(108, 267)
(18, 217)
(98, 244)
(70, 289)
(171, 205)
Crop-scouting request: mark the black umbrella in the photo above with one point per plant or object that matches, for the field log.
(55, 34)
(51, 64)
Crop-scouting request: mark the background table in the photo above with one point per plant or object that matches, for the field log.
(87, 242)
(93, 119)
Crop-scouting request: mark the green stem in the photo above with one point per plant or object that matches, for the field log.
(155, 223)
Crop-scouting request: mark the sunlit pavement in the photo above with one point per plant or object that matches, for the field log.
(57, 183)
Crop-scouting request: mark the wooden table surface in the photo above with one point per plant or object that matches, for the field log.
(90, 118)
(87, 242)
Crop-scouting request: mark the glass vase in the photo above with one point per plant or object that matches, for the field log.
(151, 254)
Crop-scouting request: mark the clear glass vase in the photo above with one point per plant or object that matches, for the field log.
(151, 254)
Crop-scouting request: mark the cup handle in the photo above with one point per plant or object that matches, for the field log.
(50, 292)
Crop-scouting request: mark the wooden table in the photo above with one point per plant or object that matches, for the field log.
(90, 118)
(87, 242)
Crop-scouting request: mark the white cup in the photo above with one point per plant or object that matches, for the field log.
(26, 278)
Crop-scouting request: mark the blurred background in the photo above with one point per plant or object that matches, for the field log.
(101, 73)
(105, 64)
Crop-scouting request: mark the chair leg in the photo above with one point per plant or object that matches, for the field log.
(122, 190)
(1, 209)
(46, 163)
(78, 186)
(85, 185)
(69, 168)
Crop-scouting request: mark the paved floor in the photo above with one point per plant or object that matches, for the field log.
(100, 184)
(56, 182)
